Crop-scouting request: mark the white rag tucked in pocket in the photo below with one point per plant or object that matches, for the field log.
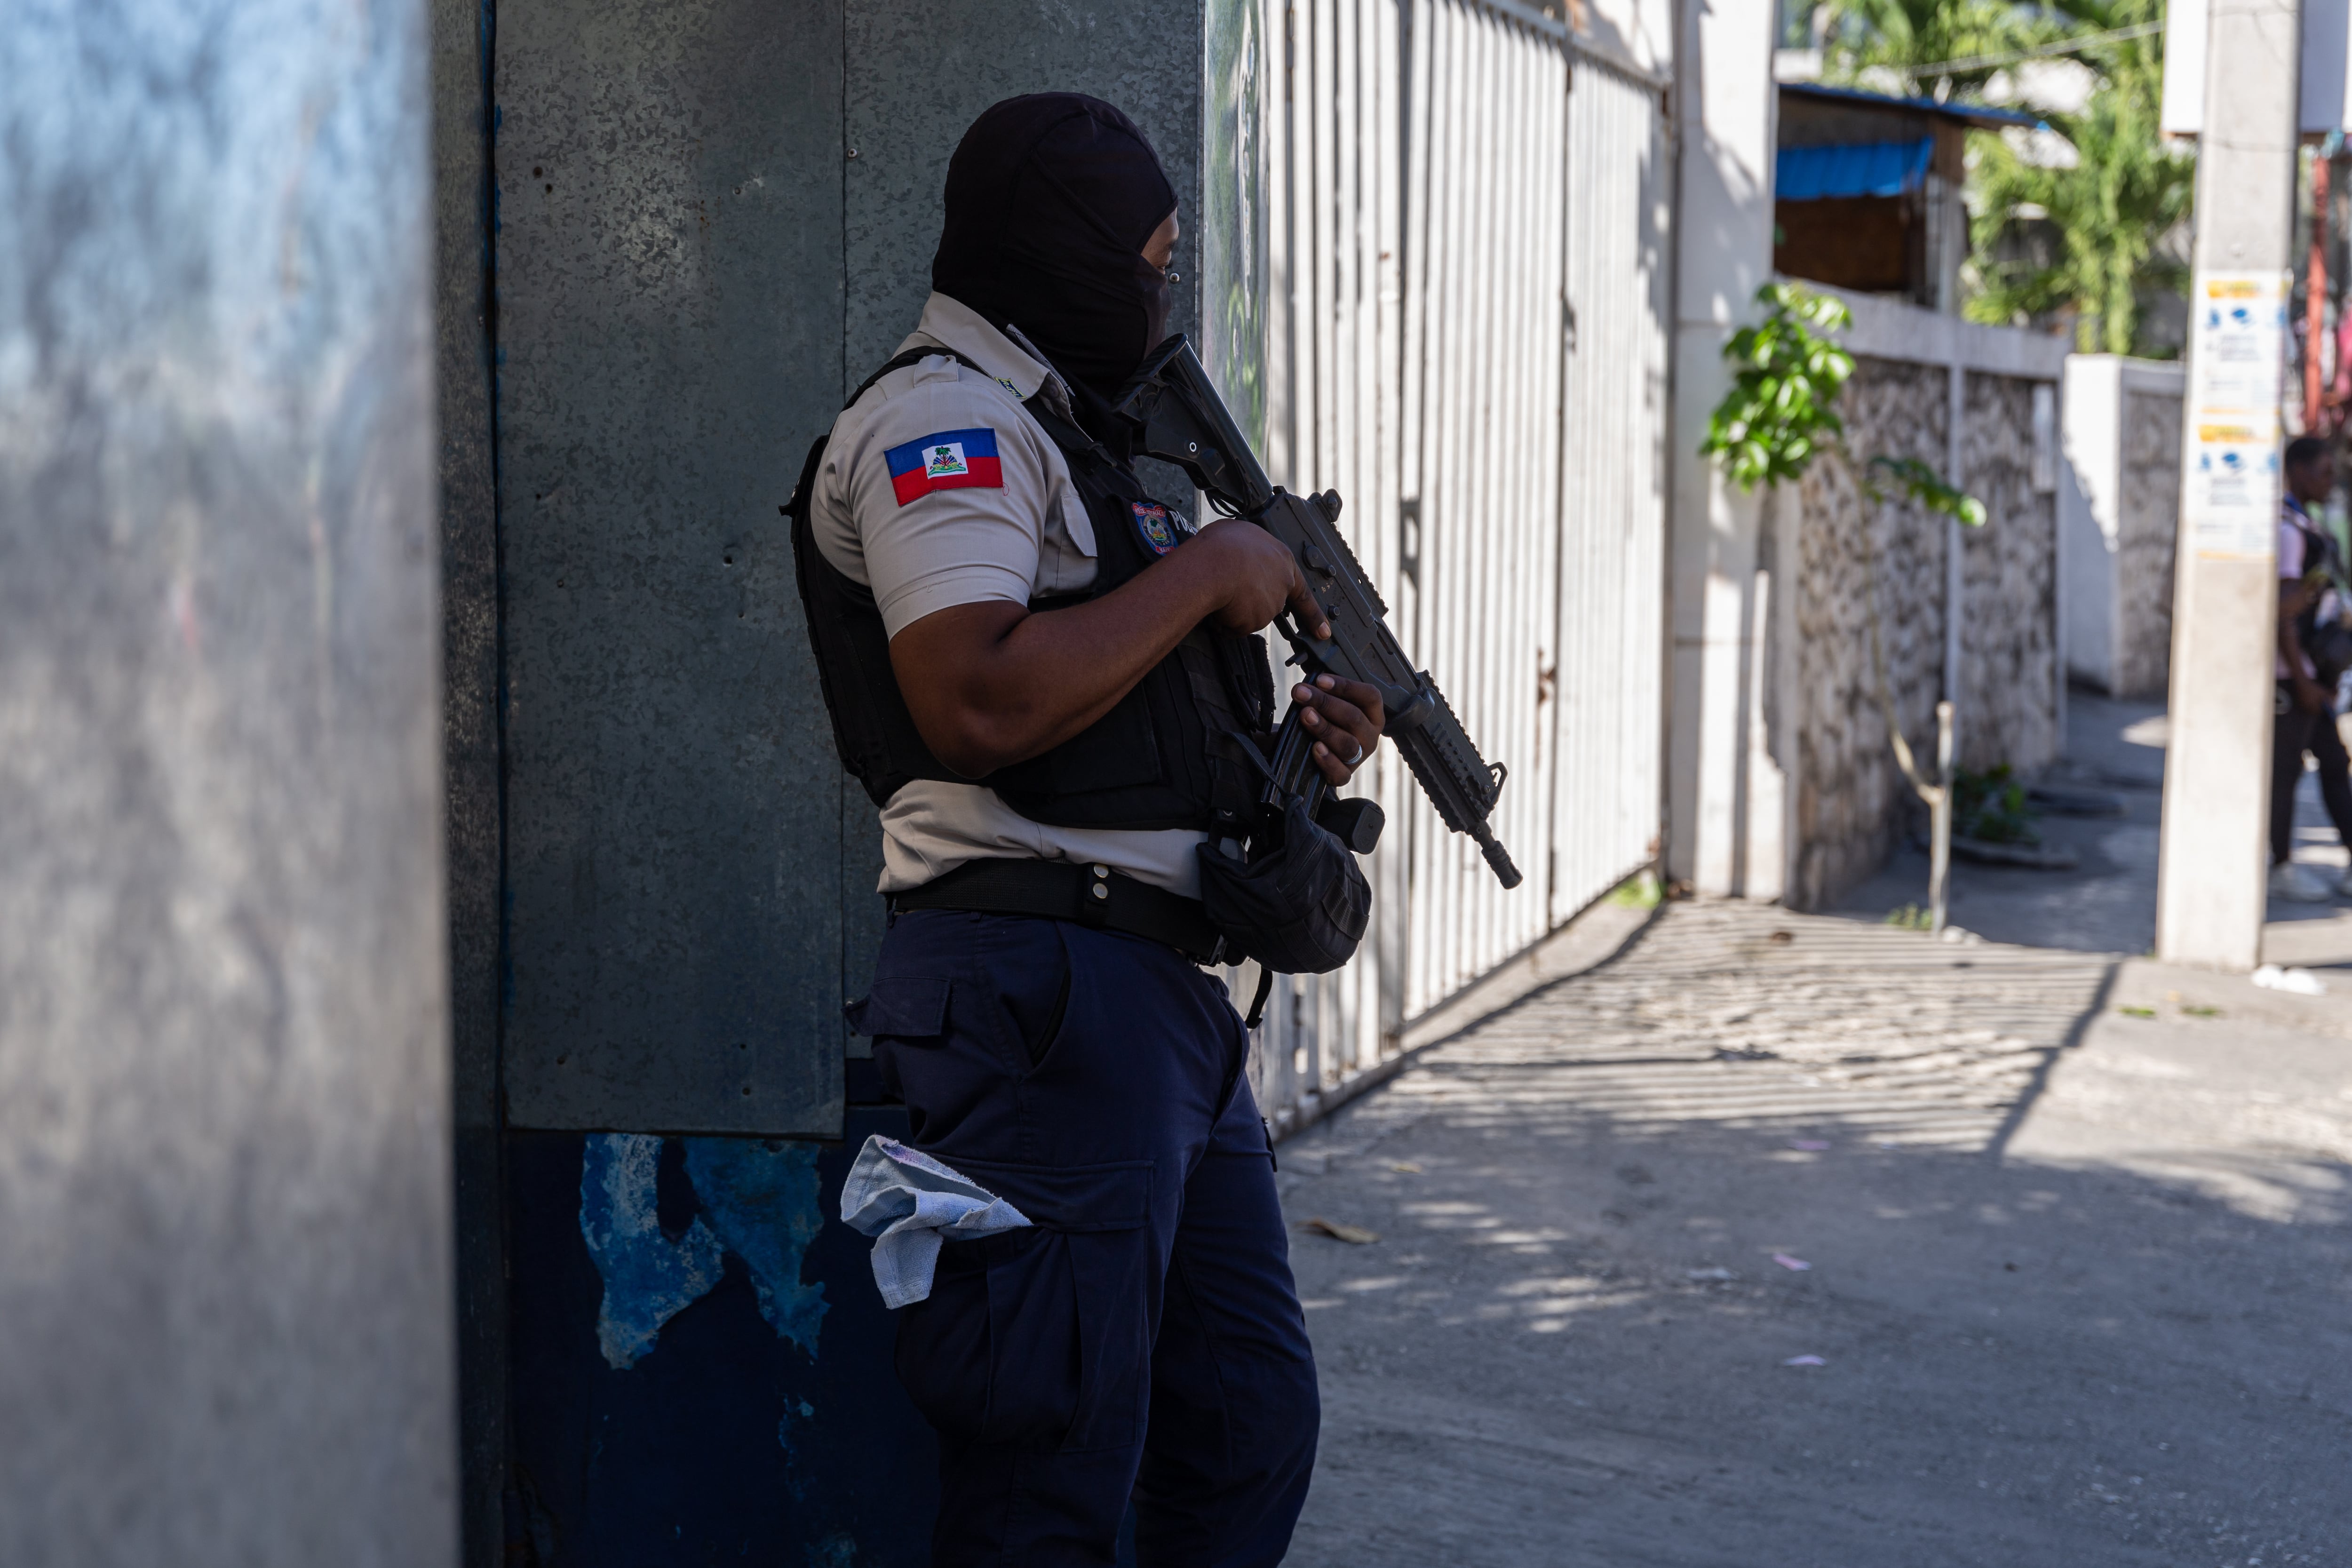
(909, 1202)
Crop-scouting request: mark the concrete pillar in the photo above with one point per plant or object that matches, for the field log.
(224, 1147)
(462, 35)
(2210, 885)
(2119, 522)
(1726, 105)
(2089, 507)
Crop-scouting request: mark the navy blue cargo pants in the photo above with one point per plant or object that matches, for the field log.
(1143, 1339)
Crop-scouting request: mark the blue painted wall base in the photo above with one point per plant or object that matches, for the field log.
(751, 1425)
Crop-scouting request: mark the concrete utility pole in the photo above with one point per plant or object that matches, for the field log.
(2210, 894)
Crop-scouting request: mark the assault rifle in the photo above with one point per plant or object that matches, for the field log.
(1179, 418)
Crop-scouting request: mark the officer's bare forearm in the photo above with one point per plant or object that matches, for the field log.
(991, 684)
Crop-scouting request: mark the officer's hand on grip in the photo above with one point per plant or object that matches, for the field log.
(1256, 577)
(1346, 719)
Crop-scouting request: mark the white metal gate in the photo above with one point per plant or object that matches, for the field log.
(1437, 274)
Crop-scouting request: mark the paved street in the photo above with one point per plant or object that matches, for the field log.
(2077, 1253)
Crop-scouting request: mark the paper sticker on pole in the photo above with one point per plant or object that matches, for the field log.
(2236, 352)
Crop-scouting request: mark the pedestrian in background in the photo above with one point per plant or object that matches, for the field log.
(2310, 607)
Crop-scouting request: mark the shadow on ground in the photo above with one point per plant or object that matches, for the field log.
(2078, 1277)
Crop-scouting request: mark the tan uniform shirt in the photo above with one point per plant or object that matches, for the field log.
(947, 530)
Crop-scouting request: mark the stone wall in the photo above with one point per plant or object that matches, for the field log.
(1848, 792)
(2148, 519)
(1850, 800)
(2008, 705)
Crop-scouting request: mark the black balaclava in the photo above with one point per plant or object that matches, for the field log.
(1050, 199)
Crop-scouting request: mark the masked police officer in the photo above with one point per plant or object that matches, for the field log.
(1049, 683)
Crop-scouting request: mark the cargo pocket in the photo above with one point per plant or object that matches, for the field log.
(901, 1007)
(1040, 1338)
(901, 1010)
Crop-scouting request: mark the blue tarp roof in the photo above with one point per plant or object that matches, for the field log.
(1851, 169)
(1979, 116)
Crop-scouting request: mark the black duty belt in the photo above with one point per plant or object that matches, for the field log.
(1092, 895)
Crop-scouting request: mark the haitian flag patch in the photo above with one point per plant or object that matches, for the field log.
(949, 460)
(1161, 530)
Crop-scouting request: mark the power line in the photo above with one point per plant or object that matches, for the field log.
(2063, 46)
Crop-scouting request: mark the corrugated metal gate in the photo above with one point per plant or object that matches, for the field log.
(1443, 288)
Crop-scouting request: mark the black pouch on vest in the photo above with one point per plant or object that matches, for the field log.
(2330, 648)
(1299, 908)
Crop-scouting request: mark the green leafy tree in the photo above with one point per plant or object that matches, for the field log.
(2109, 213)
(1785, 375)
(1921, 40)
(1781, 412)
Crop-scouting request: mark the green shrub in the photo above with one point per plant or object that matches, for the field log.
(1991, 807)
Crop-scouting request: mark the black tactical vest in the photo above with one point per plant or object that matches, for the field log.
(1184, 749)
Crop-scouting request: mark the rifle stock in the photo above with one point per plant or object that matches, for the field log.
(1179, 418)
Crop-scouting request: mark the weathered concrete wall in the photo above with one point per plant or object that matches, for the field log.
(2008, 695)
(2148, 523)
(225, 1238)
(1143, 56)
(1850, 794)
(669, 265)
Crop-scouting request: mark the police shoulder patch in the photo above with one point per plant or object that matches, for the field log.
(1161, 528)
(945, 460)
